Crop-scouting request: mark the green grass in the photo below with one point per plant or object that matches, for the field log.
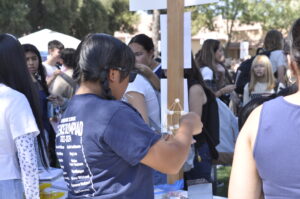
(223, 174)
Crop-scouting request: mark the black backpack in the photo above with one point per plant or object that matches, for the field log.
(243, 73)
(210, 119)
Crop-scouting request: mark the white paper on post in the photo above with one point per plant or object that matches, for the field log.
(244, 49)
(135, 5)
(164, 102)
(187, 39)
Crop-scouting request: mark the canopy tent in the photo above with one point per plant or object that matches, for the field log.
(41, 38)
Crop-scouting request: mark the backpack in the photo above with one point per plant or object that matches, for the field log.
(243, 73)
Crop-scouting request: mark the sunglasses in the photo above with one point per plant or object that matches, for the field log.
(132, 73)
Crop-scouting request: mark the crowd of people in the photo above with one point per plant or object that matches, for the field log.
(95, 111)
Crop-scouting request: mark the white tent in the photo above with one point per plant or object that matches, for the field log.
(41, 38)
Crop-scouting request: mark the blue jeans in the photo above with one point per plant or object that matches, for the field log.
(11, 189)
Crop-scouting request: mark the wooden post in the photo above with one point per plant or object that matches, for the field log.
(175, 60)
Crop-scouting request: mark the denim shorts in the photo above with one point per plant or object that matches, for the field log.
(11, 189)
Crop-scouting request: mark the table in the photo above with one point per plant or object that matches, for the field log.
(55, 177)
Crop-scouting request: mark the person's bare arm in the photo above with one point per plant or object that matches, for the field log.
(281, 74)
(49, 80)
(197, 99)
(137, 100)
(150, 75)
(168, 156)
(227, 89)
(244, 179)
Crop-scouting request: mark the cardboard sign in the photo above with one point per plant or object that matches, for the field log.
(135, 5)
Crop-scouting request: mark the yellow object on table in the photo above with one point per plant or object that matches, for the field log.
(44, 194)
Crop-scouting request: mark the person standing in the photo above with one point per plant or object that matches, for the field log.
(64, 85)
(37, 71)
(51, 64)
(266, 160)
(104, 146)
(213, 73)
(143, 49)
(274, 44)
(20, 123)
(262, 82)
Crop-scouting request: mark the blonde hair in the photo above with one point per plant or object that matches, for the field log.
(268, 76)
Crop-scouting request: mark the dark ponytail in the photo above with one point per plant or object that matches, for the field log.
(105, 92)
(97, 54)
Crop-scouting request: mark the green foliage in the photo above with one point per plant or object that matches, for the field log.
(74, 17)
(273, 14)
(92, 18)
(120, 17)
(55, 14)
(12, 17)
(202, 16)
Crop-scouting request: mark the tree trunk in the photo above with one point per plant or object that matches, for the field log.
(155, 32)
(230, 32)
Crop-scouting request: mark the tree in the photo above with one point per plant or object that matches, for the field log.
(13, 17)
(272, 14)
(203, 16)
(74, 17)
(231, 10)
(155, 31)
(56, 14)
(92, 18)
(119, 16)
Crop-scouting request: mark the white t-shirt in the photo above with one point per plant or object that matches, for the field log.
(16, 119)
(260, 88)
(142, 86)
(49, 69)
(277, 59)
(207, 73)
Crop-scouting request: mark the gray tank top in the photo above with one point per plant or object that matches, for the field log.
(277, 149)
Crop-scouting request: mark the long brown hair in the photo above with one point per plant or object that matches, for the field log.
(273, 40)
(268, 76)
(206, 56)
